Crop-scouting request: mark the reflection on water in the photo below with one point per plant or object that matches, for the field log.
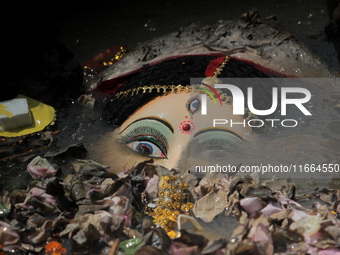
(315, 139)
(309, 151)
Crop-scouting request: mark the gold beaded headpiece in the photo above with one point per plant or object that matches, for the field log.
(176, 89)
(156, 88)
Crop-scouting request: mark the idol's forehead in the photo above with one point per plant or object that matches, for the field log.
(174, 109)
(167, 107)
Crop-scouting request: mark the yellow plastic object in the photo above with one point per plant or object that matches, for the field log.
(42, 115)
(3, 111)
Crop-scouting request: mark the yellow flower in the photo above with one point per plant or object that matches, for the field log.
(172, 234)
(161, 193)
(168, 204)
(167, 212)
(184, 208)
(169, 194)
(176, 205)
(159, 220)
(158, 210)
(163, 185)
(165, 222)
(160, 202)
(173, 217)
(173, 178)
(173, 187)
(148, 211)
(189, 205)
(183, 186)
(165, 178)
(178, 196)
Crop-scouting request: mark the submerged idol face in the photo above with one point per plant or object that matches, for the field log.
(171, 130)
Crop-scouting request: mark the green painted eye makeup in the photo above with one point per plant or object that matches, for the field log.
(146, 141)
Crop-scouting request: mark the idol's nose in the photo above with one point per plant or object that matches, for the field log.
(179, 158)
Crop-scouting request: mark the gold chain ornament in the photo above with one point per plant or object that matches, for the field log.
(187, 88)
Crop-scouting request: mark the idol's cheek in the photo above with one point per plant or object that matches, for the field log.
(178, 153)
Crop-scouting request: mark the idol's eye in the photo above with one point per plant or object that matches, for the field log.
(214, 149)
(146, 149)
(146, 141)
(217, 154)
(193, 105)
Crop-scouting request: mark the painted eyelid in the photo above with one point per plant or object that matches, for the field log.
(147, 131)
(217, 142)
(213, 130)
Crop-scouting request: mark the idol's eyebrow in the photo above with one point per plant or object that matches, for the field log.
(202, 131)
(163, 121)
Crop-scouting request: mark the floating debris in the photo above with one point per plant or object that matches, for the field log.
(130, 246)
(147, 211)
(1, 251)
(3, 211)
(34, 118)
(54, 248)
(40, 168)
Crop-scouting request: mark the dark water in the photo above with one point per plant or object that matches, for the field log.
(89, 29)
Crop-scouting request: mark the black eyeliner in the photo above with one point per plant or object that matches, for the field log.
(145, 131)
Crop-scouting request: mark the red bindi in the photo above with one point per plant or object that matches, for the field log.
(186, 127)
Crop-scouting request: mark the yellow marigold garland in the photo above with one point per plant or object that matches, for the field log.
(170, 203)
